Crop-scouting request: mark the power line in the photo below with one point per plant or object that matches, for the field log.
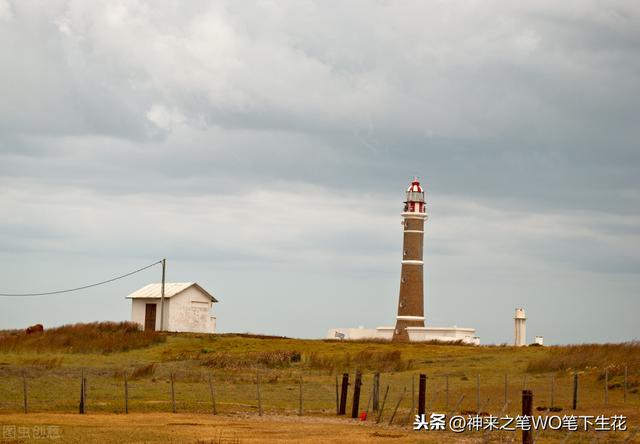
(79, 288)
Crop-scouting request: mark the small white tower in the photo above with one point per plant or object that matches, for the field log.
(521, 331)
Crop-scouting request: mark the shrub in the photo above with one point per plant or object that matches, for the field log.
(97, 337)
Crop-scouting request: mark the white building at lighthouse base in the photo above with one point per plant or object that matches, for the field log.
(416, 334)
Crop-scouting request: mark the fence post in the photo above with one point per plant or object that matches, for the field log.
(422, 392)
(446, 392)
(413, 392)
(356, 394)
(343, 394)
(337, 399)
(84, 392)
(553, 390)
(376, 391)
(524, 382)
(506, 389)
(606, 386)
(173, 394)
(393, 415)
(527, 410)
(24, 391)
(384, 400)
(126, 393)
(575, 391)
(478, 393)
(81, 409)
(259, 394)
(213, 396)
(625, 384)
(300, 403)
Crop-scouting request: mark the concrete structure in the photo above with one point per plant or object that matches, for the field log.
(411, 298)
(410, 321)
(187, 308)
(354, 334)
(415, 334)
(538, 340)
(520, 336)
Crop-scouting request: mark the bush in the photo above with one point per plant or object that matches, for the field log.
(97, 337)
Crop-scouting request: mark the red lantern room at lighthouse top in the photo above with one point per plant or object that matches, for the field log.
(415, 198)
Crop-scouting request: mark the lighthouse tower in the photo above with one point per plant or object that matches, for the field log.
(411, 300)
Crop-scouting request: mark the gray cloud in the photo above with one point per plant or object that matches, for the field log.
(276, 140)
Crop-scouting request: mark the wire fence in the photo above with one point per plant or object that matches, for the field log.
(267, 391)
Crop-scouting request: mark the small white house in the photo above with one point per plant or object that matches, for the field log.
(187, 308)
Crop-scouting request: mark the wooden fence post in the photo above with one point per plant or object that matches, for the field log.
(300, 403)
(259, 394)
(413, 392)
(553, 390)
(478, 393)
(446, 392)
(81, 408)
(575, 391)
(213, 396)
(356, 394)
(126, 393)
(393, 415)
(422, 393)
(84, 392)
(506, 389)
(527, 410)
(376, 391)
(337, 398)
(343, 394)
(606, 387)
(24, 391)
(625, 384)
(384, 400)
(173, 393)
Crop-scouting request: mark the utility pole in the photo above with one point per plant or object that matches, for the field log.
(164, 263)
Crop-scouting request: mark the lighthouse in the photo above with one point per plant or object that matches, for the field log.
(410, 319)
(411, 299)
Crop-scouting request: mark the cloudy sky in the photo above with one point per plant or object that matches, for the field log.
(264, 147)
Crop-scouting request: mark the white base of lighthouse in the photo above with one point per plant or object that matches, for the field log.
(416, 334)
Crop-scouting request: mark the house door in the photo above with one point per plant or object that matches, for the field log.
(150, 317)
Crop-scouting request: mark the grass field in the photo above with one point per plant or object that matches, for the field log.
(51, 364)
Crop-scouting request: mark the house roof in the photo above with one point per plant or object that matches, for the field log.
(153, 291)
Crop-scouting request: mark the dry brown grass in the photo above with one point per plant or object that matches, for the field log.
(97, 337)
(385, 361)
(613, 357)
(143, 371)
(42, 362)
(367, 359)
(268, 359)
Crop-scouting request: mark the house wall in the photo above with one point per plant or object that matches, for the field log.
(191, 312)
(138, 310)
